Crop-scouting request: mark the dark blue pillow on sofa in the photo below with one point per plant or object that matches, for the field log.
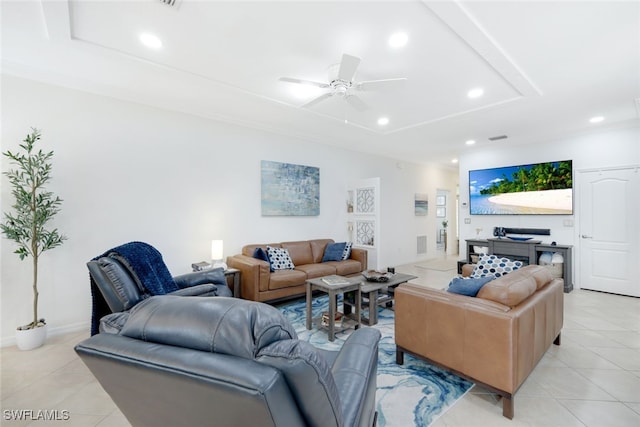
(469, 287)
(259, 253)
(334, 251)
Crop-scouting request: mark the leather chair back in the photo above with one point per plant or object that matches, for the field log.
(245, 364)
(116, 284)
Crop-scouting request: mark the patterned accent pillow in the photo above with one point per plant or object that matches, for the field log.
(346, 254)
(493, 265)
(279, 258)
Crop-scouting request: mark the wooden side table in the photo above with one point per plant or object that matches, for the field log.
(235, 273)
(352, 284)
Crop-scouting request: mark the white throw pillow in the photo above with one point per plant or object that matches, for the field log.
(494, 265)
(279, 258)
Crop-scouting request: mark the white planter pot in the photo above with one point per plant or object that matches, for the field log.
(28, 339)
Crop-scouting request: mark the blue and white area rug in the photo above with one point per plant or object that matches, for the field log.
(413, 394)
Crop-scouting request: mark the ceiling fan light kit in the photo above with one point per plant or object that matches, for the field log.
(343, 84)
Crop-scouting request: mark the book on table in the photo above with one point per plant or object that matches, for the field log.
(335, 280)
(337, 320)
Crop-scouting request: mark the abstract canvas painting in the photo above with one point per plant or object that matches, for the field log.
(290, 190)
(421, 204)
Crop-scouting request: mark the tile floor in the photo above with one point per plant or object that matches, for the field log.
(592, 379)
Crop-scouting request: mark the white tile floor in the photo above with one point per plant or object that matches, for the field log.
(592, 379)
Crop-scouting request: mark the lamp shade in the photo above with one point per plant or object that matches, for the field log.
(216, 250)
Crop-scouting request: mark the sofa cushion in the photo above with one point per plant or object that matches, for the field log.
(468, 286)
(317, 248)
(494, 265)
(511, 289)
(541, 275)
(346, 268)
(300, 252)
(279, 258)
(317, 270)
(334, 252)
(286, 278)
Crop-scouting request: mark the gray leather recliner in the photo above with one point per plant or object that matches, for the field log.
(230, 362)
(119, 291)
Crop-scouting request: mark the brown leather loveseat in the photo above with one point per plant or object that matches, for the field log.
(496, 338)
(258, 283)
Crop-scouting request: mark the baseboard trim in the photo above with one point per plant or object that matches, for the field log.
(52, 332)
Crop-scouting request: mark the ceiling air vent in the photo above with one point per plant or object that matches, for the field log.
(497, 138)
(173, 3)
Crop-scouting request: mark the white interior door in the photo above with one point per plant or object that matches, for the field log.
(609, 202)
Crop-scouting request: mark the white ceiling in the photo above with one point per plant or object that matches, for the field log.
(546, 67)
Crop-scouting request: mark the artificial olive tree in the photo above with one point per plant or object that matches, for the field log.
(33, 208)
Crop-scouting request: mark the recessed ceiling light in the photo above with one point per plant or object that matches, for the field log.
(596, 119)
(475, 93)
(383, 121)
(454, 160)
(398, 39)
(470, 142)
(150, 41)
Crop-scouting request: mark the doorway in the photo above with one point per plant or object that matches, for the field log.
(609, 234)
(443, 229)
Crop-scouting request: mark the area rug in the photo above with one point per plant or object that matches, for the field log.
(439, 264)
(413, 394)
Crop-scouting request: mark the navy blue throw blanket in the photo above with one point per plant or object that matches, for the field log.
(147, 268)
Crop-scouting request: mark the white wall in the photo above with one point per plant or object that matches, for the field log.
(599, 149)
(131, 172)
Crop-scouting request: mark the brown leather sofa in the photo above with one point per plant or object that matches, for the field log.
(257, 283)
(495, 339)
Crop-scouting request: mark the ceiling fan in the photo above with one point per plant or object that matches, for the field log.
(343, 85)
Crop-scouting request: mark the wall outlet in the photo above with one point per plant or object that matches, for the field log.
(568, 223)
(467, 220)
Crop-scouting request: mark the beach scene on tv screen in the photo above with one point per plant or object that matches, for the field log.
(536, 189)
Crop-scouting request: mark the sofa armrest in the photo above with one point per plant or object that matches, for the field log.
(215, 276)
(360, 255)
(204, 290)
(354, 371)
(254, 275)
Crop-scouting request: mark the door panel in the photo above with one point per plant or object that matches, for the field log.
(609, 231)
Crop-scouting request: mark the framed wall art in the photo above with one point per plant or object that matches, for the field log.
(289, 190)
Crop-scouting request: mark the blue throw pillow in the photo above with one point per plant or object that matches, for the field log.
(259, 253)
(333, 252)
(469, 287)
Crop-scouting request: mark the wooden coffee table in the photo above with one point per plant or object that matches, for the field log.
(351, 284)
(378, 294)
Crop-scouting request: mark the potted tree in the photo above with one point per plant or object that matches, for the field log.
(445, 223)
(33, 208)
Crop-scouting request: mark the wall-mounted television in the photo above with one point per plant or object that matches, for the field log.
(535, 189)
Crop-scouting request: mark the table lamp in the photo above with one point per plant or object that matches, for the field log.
(217, 259)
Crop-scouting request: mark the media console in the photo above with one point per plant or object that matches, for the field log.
(528, 251)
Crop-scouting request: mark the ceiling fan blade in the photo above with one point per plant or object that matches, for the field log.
(317, 100)
(380, 84)
(348, 67)
(356, 102)
(304, 82)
